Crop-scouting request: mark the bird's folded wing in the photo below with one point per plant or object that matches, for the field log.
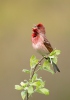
(48, 45)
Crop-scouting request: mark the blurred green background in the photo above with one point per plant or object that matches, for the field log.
(16, 20)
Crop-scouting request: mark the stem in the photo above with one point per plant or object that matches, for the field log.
(27, 96)
(37, 70)
(36, 66)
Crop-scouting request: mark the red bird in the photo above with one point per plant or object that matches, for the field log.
(41, 44)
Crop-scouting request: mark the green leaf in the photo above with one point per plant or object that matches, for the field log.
(38, 84)
(46, 66)
(24, 84)
(26, 88)
(39, 79)
(23, 94)
(18, 87)
(30, 89)
(55, 59)
(41, 67)
(34, 77)
(55, 52)
(25, 70)
(33, 61)
(53, 56)
(43, 91)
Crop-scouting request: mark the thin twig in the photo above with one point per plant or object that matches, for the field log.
(27, 96)
(36, 66)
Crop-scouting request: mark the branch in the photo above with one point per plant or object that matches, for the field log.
(27, 95)
(36, 67)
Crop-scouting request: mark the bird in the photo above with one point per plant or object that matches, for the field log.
(41, 44)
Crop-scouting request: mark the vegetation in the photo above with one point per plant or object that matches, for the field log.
(35, 83)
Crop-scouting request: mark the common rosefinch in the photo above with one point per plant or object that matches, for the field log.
(41, 44)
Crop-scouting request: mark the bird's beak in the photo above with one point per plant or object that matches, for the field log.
(34, 26)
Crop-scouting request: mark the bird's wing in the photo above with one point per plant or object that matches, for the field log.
(48, 45)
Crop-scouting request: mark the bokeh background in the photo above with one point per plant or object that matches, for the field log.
(16, 20)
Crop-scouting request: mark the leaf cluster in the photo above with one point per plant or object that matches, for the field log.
(35, 84)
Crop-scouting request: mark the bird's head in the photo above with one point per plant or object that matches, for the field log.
(41, 28)
(38, 29)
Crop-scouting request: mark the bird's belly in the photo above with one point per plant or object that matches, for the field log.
(40, 47)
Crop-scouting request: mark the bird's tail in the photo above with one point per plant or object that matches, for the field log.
(55, 67)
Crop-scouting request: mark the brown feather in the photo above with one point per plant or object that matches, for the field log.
(48, 45)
